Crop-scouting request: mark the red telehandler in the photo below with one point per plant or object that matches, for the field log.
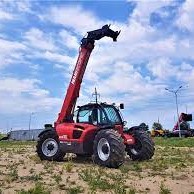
(98, 129)
(185, 130)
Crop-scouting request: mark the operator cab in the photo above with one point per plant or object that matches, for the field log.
(99, 114)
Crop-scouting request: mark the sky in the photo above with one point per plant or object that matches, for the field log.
(39, 45)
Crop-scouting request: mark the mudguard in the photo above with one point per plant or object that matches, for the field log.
(128, 139)
(46, 130)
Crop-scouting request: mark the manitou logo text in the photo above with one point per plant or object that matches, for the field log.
(78, 66)
(63, 137)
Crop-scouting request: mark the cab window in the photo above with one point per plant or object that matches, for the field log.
(88, 115)
(112, 115)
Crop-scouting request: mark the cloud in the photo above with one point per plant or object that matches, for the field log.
(24, 6)
(186, 67)
(162, 68)
(47, 46)
(24, 96)
(35, 67)
(124, 81)
(56, 57)
(40, 40)
(138, 43)
(16, 7)
(74, 17)
(12, 10)
(145, 8)
(186, 74)
(5, 15)
(69, 40)
(186, 19)
(10, 51)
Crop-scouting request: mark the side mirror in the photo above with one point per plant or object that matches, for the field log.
(121, 106)
(48, 126)
(124, 123)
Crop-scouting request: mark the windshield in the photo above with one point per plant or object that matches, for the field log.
(87, 115)
(112, 114)
(104, 114)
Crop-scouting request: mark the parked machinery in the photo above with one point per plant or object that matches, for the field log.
(98, 129)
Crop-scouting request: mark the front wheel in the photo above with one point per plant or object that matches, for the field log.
(143, 149)
(48, 147)
(108, 149)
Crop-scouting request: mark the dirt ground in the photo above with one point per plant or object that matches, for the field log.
(170, 171)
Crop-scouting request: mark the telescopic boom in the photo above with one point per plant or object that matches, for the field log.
(87, 45)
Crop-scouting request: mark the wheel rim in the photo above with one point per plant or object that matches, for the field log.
(103, 149)
(133, 151)
(137, 147)
(49, 147)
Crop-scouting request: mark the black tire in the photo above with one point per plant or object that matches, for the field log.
(143, 149)
(49, 135)
(116, 149)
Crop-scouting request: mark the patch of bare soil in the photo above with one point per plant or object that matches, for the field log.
(170, 171)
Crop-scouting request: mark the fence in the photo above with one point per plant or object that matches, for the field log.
(25, 135)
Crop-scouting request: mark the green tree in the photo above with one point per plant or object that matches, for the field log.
(157, 126)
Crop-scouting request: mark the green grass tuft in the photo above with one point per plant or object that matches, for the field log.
(74, 190)
(99, 179)
(163, 189)
(38, 189)
(68, 166)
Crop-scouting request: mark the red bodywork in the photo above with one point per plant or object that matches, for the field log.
(65, 132)
(67, 135)
(66, 128)
(182, 117)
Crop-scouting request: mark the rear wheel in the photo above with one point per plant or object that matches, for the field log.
(48, 147)
(143, 149)
(108, 149)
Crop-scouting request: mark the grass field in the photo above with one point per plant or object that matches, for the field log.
(175, 142)
(170, 171)
(1, 135)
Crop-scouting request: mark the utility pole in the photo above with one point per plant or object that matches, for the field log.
(96, 95)
(158, 120)
(177, 110)
(30, 119)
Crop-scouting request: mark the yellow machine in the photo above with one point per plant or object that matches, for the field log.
(157, 132)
